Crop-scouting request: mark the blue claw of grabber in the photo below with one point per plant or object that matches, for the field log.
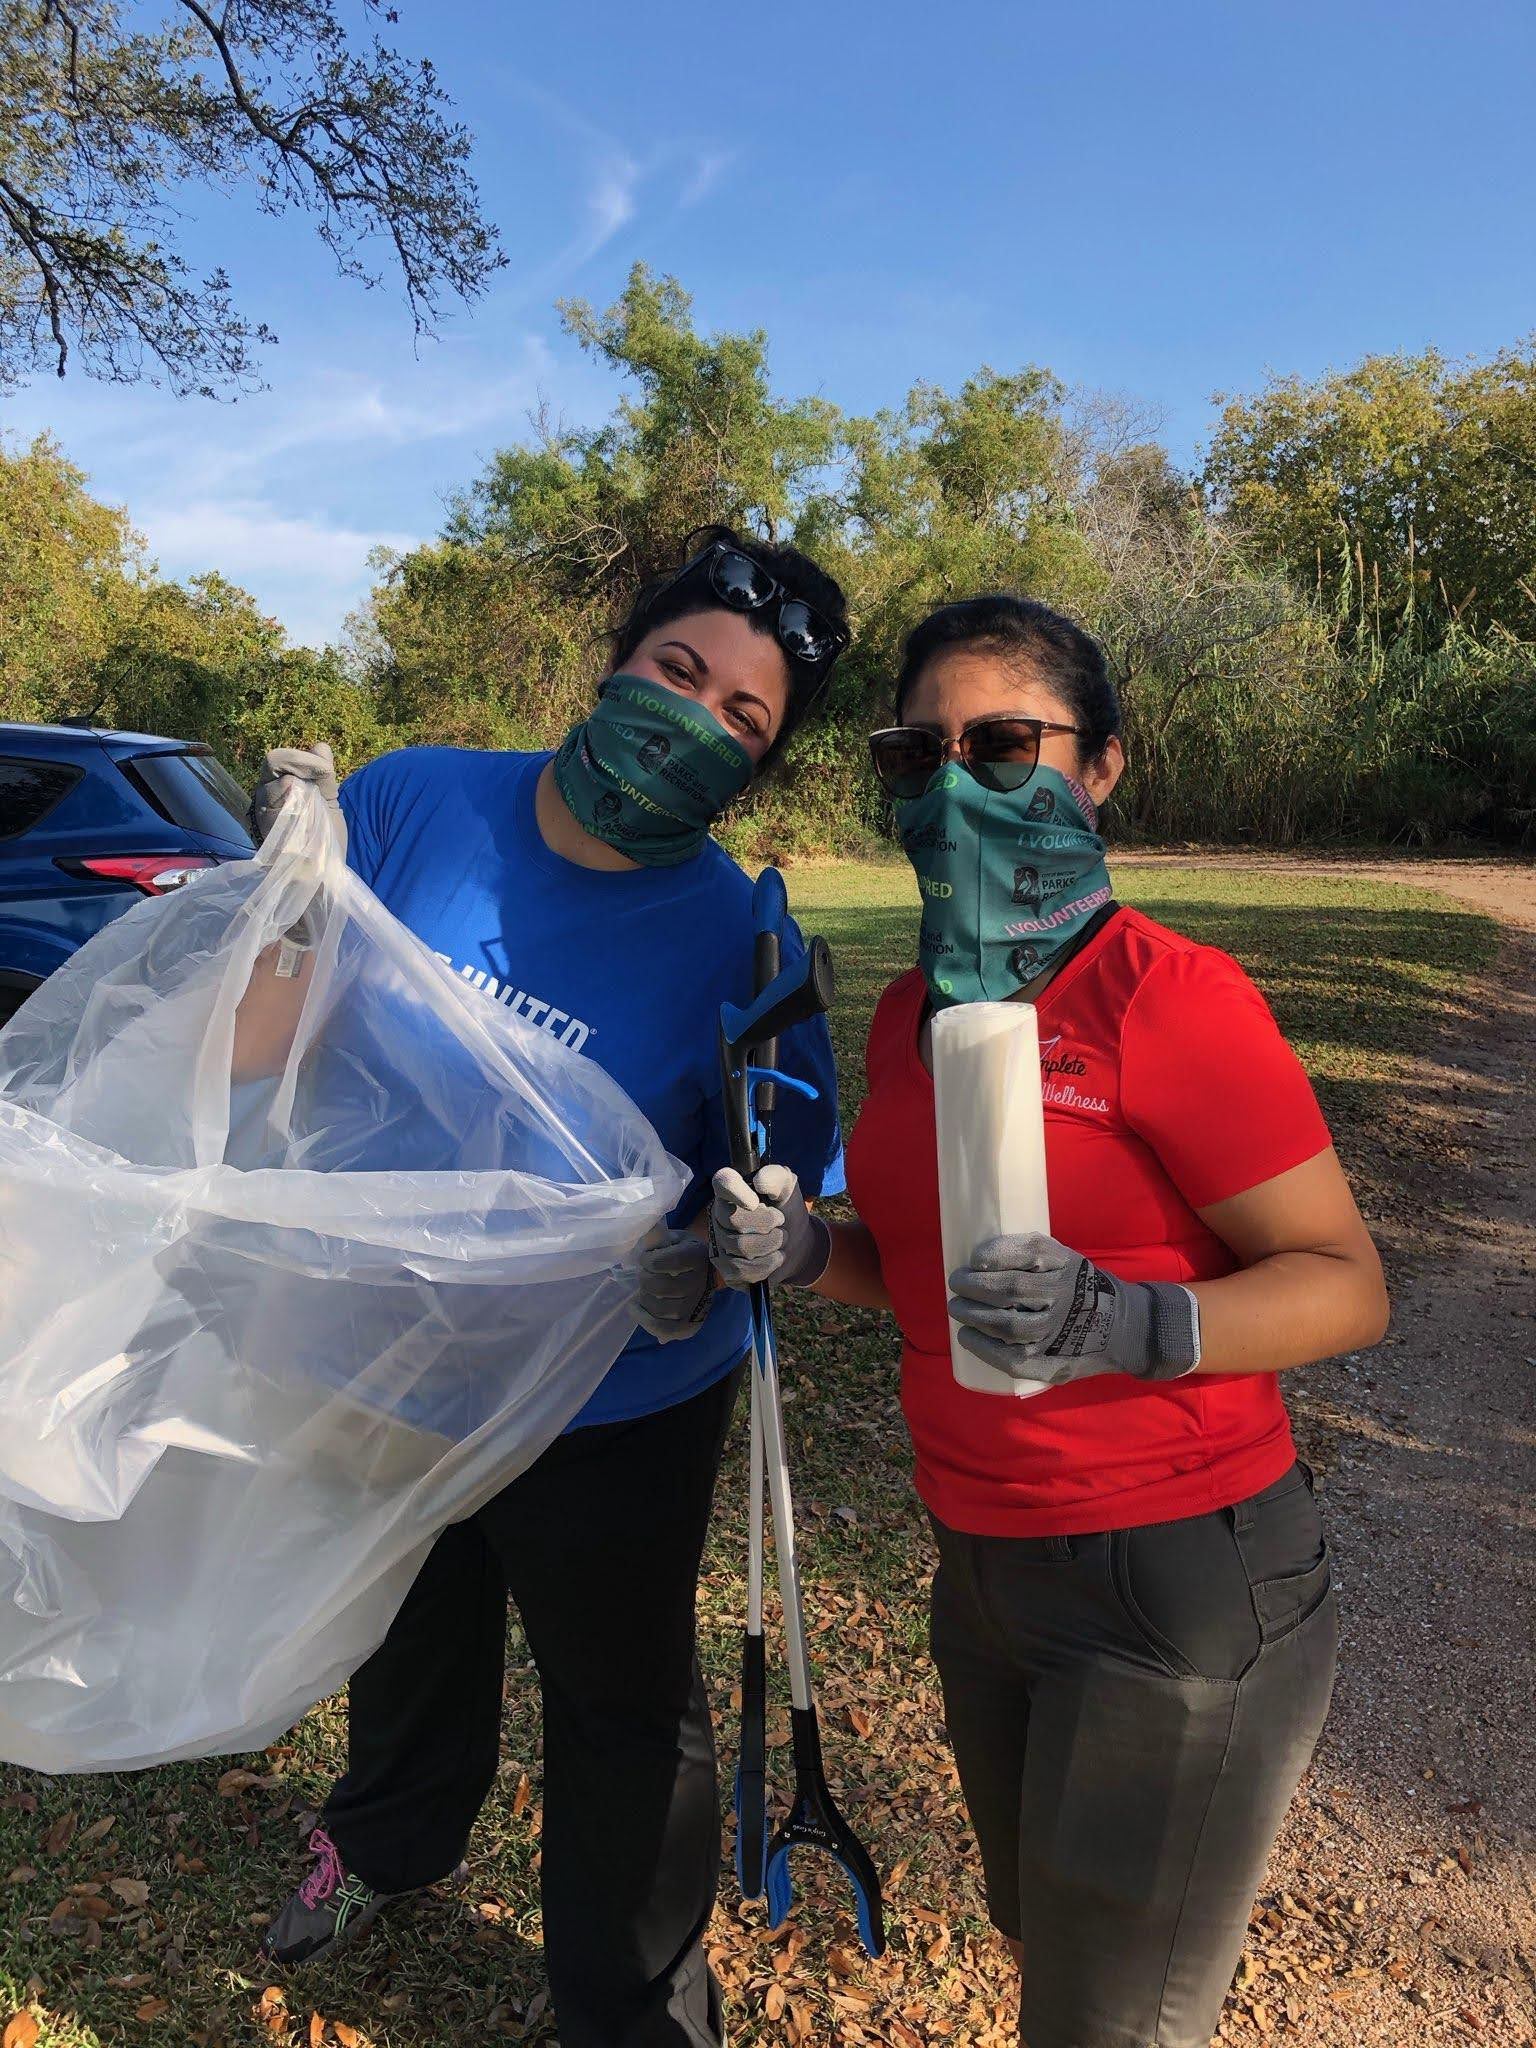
(814, 1822)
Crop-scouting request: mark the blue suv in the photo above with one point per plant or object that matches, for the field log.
(92, 822)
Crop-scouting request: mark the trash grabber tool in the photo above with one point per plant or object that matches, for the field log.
(802, 990)
(770, 906)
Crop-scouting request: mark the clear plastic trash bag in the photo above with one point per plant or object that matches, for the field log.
(292, 1274)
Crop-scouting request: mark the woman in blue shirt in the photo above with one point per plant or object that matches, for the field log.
(582, 890)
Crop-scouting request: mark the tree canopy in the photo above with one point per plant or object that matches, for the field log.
(1275, 685)
(103, 122)
(1406, 485)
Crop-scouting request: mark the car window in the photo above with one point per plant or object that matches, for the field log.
(193, 791)
(28, 792)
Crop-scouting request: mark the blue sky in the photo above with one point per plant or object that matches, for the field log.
(1159, 201)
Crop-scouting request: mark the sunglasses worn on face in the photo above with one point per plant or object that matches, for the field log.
(743, 585)
(1002, 753)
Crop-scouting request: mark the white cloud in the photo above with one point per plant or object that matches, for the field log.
(611, 201)
(323, 411)
(613, 179)
(709, 168)
(312, 570)
(287, 491)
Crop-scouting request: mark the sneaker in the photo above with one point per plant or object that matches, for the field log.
(331, 1905)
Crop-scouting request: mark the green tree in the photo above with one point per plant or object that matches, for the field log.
(103, 118)
(88, 629)
(955, 493)
(1263, 699)
(1401, 492)
(493, 630)
(63, 561)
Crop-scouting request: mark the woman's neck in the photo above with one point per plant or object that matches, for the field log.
(562, 834)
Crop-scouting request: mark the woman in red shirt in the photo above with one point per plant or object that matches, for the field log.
(1133, 1616)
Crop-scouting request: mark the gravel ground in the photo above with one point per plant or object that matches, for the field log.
(1411, 1849)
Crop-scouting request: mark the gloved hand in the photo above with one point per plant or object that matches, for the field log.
(1032, 1308)
(675, 1285)
(284, 765)
(765, 1232)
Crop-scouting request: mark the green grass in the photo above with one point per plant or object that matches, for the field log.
(1362, 976)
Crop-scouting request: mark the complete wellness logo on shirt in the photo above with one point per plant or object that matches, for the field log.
(1060, 1072)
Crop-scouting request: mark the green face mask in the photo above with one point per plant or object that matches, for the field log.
(648, 772)
(1008, 879)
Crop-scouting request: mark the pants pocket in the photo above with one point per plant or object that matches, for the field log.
(1182, 1586)
(1280, 1536)
(1283, 1604)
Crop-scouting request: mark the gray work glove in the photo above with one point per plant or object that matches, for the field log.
(765, 1232)
(286, 765)
(1032, 1308)
(675, 1286)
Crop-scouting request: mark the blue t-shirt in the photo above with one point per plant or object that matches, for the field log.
(629, 968)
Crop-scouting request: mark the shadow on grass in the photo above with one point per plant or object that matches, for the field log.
(1349, 984)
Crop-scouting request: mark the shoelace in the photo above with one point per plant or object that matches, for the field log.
(328, 1871)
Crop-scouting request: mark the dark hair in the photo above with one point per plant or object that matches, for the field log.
(800, 577)
(1022, 630)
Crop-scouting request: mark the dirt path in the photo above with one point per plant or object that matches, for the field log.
(1411, 1851)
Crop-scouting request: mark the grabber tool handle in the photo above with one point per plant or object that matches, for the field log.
(770, 912)
(770, 907)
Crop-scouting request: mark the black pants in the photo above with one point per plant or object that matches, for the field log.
(599, 1544)
(1131, 1713)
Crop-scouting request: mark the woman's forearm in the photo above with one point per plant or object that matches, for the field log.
(1292, 1308)
(853, 1272)
(1309, 1283)
(268, 1015)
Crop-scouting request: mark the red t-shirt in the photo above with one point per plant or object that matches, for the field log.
(1167, 1087)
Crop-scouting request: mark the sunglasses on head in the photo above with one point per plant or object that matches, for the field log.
(744, 585)
(1002, 753)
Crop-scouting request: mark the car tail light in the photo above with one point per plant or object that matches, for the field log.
(155, 873)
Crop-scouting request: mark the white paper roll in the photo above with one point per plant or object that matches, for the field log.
(991, 1126)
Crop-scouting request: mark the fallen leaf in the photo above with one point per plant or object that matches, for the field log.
(60, 1835)
(349, 2037)
(774, 2002)
(272, 2009)
(20, 2032)
(521, 1796)
(133, 1891)
(316, 2031)
(100, 1829)
(152, 2009)
(238, 1781)
(134, 1983)
(22, 1874)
